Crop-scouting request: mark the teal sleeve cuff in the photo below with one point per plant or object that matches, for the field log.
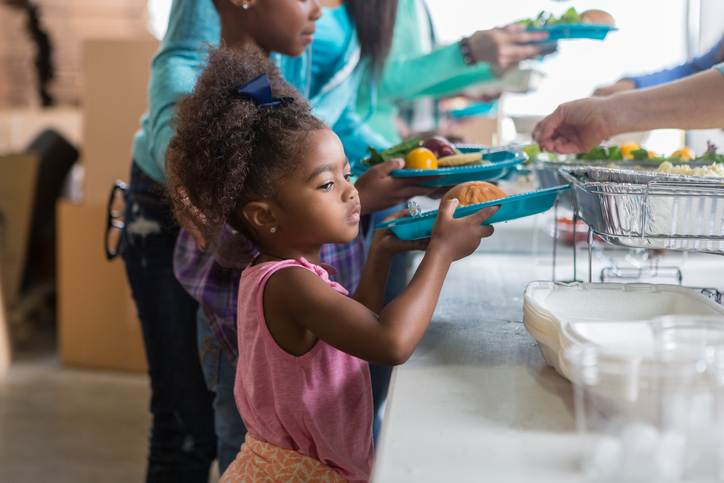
(720, 67)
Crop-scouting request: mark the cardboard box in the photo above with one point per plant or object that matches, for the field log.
(115, 74)
(19, 127)
(481, 130)
(97, 321)
(17, 189)
(5, 352)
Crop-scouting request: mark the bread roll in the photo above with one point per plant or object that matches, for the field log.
(598, 17)
(474, 192)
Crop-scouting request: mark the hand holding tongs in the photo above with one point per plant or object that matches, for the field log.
(508, 147)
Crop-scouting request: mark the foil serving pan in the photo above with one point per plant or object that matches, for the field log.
(548, 176)
(672, 215)
(636, 176)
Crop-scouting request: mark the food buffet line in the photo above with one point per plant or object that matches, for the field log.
(488, 396)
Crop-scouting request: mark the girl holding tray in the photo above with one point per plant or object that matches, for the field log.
(249, 153)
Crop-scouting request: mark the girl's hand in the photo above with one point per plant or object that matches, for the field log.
(388, 241)
(459, 237)
(378, 191)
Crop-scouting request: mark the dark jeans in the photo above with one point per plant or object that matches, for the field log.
(183, 441)
(396, 282)
(381, 375)
(220, 374)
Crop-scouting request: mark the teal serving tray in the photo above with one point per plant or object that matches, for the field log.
(574, 31)
(511, 208)
(501, 164)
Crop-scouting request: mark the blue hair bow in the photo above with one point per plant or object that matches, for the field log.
(259, 91)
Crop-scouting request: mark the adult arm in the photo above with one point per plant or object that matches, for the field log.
(483, 73)
(409, 76)
(444, 70)
(175, 69)
(696, 102)
(698, 64)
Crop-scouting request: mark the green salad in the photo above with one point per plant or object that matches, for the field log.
(546, 19)
(534, 154)
(397, 151)
(711, 156)
(613, 153)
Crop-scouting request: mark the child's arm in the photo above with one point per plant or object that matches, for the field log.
(299, 306)
(385, 245)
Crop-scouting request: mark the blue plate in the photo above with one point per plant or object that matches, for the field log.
(475, 109)
(501, 163)
(574, 31)
(512, 207)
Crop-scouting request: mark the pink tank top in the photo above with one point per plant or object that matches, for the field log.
(319, 404)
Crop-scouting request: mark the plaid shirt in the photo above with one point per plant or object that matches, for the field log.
(212, 278)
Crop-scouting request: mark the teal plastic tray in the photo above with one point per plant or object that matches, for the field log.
(574, 31)
(512, 207)
(501, 164)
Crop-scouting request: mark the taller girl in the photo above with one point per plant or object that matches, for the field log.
(183, 439)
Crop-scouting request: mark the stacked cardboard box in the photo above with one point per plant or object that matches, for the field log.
(97, 317)
(67, 23)
(5, 353)
(17, 178)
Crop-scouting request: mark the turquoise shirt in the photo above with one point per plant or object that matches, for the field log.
(334, 32)
(182, 56)
(720, 67)
(411, 72)
(335, 102)
(174, 71)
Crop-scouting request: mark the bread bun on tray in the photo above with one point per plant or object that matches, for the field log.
(474, 192)
(598, 17)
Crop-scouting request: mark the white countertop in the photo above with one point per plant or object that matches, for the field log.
(477, 402)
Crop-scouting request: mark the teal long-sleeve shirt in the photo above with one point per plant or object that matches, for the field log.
(182, 56)
(410, 72)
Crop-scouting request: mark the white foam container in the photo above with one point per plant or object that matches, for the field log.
(559, 315)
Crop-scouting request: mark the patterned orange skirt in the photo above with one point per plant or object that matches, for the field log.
(260, 462)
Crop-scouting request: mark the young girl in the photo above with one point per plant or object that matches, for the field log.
(250, 154)
(181, 404)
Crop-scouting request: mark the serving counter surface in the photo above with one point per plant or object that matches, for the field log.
(477, 402)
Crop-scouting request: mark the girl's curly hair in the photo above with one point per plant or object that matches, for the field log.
(226, 151)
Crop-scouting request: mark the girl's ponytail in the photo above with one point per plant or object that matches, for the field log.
(227, 150)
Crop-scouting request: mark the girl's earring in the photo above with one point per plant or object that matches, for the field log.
(273, 229)
(245, 6)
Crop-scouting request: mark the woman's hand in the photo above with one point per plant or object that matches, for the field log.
(379, 191)
(504, 47)
(575, 127)
(459, 237)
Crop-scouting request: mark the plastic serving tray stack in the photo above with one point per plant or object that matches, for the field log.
(559, 316)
